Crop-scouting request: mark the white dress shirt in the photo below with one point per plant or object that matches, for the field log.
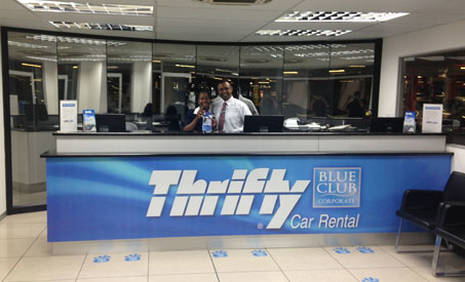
(234, 115)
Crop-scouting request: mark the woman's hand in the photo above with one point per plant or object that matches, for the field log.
(199, 114)
(213, 122)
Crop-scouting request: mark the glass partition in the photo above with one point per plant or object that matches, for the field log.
(437, 78)
(33, 96)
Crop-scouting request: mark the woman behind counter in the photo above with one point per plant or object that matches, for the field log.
(194, 117)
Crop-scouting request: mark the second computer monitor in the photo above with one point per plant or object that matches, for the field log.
(263, 123)
(110, 122)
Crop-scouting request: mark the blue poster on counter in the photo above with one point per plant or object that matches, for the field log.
(101, 198)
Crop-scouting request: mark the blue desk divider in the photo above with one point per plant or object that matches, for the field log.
(101, 198)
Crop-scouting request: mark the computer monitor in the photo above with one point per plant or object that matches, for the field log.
(110, 122)
(263, 123)
(387, 124)
(36, 112)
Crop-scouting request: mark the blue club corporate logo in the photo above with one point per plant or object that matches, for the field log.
(336, 187)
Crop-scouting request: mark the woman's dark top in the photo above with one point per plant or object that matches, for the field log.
(190, 117)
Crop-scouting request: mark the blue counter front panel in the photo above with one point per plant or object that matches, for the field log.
(144, 197)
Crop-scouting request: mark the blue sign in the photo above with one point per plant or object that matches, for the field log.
(335, 187)
(103, 198)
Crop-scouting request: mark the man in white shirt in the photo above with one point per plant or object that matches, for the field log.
(229, 111)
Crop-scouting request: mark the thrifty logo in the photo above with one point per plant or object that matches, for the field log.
(198, 197)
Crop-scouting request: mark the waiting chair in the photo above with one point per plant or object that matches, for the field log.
(421, 207)
(451, 229)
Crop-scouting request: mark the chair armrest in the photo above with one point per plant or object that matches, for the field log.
(452, 214)
(421, 199)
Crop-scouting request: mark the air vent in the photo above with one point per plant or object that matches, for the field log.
(234, 2)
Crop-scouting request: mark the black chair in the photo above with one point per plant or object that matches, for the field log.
(451, 229)
(422, 207)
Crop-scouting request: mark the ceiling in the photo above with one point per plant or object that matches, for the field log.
(193, 21)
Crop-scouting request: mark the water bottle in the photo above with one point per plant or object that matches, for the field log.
(207, 124)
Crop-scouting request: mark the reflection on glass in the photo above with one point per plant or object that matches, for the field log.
(33, 97)
(81, 72)
(129, 76)
(328, 80)
(261, 77)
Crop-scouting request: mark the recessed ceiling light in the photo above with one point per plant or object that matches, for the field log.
(87, 8)
(303, 32)
(99, 26)
(74, 40)
(290, 72)
(338, 16)
(185, 66)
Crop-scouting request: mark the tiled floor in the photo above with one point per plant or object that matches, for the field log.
(25, 255)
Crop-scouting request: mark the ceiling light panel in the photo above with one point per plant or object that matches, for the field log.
(99, 26)
(87, 8)
(303, 32)
(338, 17)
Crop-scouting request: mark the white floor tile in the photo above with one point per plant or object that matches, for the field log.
(179, 262)
(203, 277)
(426, 272)
(20, 230)
(117, 265)
(6, 264)
(40, 247)
(243, 260)
(14, 247)
(252, 277)
(387, 275)
(377, 257)
(46, 268)
(115, 279)
(338, 275)
(303, 258)
(31, 217)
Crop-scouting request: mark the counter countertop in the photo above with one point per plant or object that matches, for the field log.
(50, 154)
(286, 133)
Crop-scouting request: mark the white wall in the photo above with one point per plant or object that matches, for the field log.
(92, 87)
(445, 37)
(51, 87)
(458, 160)
(141, 86)
(2, 146)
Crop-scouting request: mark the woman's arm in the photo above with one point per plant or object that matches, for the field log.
(195, 120)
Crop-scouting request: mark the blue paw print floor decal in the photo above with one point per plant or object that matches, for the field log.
(370, 279)
(102, 259)
(219, 254)
(133, 257)
(259, 253)
(341, 251)
(365, 250)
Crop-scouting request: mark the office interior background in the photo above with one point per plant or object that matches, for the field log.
(122, 63)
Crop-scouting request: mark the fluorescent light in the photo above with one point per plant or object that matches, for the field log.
(263, 82)
(75, 67)
(27, 45)
(338, 17)
(112, 67)
(87, 8)
(462, 68)
(337, 71)
(357, 66)
(185, 66)
(156, 61)
(302, 32)
(31, 65)
(290, 72)
(100, 26)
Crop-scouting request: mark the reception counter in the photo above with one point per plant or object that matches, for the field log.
(181, 191)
